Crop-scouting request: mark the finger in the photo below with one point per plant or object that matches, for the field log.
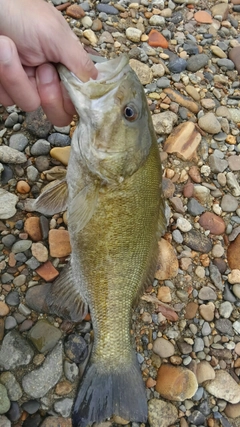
(76, 59)
(50, 93)
(67, 103)
(13, 78)
(5, 99)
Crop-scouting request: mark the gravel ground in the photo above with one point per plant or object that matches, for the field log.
(186, 328)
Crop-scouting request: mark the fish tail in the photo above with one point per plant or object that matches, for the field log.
(104, 393)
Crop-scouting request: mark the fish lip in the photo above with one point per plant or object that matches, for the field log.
(108, 72)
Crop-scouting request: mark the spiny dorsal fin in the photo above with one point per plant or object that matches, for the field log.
(64, 297)
(53, 200)
(83, 206)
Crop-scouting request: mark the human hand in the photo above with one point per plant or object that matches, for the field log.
(34, 36)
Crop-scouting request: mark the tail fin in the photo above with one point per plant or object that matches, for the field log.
(104, 393)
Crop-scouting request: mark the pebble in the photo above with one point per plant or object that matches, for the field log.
(18, 142)
(13, 387)
(58, 139)
(4, 400)
(161, 413)
(209, 123)
(197, 62)
(8, 204)
(217, 387)
(163, 348)
(184, 140)
(44, 336)
(167, 261)
(176, 382)
(212, 222)
(40, 252)
(59, 243)
(133, 34)
(61, 153)
(38, 382)
(15, 351)
(207, 311)
(143, 72)
(40, 148)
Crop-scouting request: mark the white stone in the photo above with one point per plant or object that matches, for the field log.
(133, 34)
(87, 22)
(183, 224)
(8, 203)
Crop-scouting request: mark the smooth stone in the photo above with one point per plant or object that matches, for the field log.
(70, 371)
(207, 294)
(176, 383)
(39, 381)
(196, 62)
(161, 413)
(207, 311)
(133, 34)
(110, 10)
(184, 140)
(217, 387)
(10, 323)
(224, 326)
(157, 21)
(209, 123)
(31, 407)
(203, 17)
(216, 164)
(18, 141)
(4, 400)
(32, 173)
(8, 204)
(163, 347)
(21, 246)
(15, 351)
(59, 140)
(44, 336)
(167, 266)
(63, 407)
(32, 227)
(13, 298)
(76, 348)
(229, 203)
(59, 243)
(11, 120)
(197, 241)
(194, 207)
(13, 387)
(212, 222)
(226, 63)
(143, 71)
(40, 148)
(39, 251)
(177, 65)
(234, 55)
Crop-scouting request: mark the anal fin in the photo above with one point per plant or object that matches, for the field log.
(64, 298)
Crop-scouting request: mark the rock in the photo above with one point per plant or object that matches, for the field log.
(143, 72)
(15, 351)
(192, 92)
(161, 414)
(110, 10)
(10, 155)
(184, 141)
(233, 184)
(220, 9)
(232, 411)
(176, 65)
(176, 383)
(204, 372)
(133, 34)
(75, 11)
(37, 123)
(47, 271)
(91, 36)
(61, 153)
(234, 163)
(216, 164)
(59, 243)
(44, 336)
(36, 297)
(157, 21)
(23, 187)
(156, 39)
(4, 400)
(38, 382)
(63, 407)
(229, 203)
(18, 141)
(32, 227)
(183, 224)
(164, 294)
(56, 422)
(182, 100)
(197, 241)
(195, 208)
(158, 70)
(217, 387)
(212, 222)
(207, 311)
(8, 203)
(4, 421)
(31, 407)
(203, 17)
(76, 348)
(13, 388)
(207, 293)
(234, 276)
(191, 310)
(197, 62)
(209, 123)
(224, 326)
(167, 261)
(4, 309)
(40, 148)
(63, 388)
(163, 347)
(21, 246)
(59, 140)
(218, 52)
(234, 55)
(164, 122)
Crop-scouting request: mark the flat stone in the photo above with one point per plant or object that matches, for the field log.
(47, 271)
(209, 123)
(163, 347)
(176, 383)
(32, 227)
(39, 251)
(220, 9)
(167, 267)
(183, 141)
(44, 336)
(143, 71)
(156, 39)
(203, 17)
(59, 243)
(207, 294)
(61, 153)
(212, 222)
(191, 310)
(196, 62)
(8, 203)
(197, 241)
(15, 351)
(176, 65)
(18, 141)
(40, 148)
(207, 311)
(217, 387)
(164, 294)
(38, 382)
(204, 372)
(182, 100)
(216, 164)
(224, 326)
(234, 163)
(161, 414)
(10, 155)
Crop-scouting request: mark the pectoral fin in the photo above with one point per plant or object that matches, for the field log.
(83, 206)
(53, 200)
(64, 298)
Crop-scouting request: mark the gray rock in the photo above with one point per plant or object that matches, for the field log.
(207, 294)
(177, 65)
(226, 63)
(196, 62)
(4, 400)
(215, 276)
(194, 207)
(177, 236)
(8, 240)
(224, 326)
(40, 148)
(21, 246)
(233, 184)
(31, 407)
(8, 203)
(44, 336)
(198, 344)
(12, 298)
(59, 140)
(70, 371)
(63, 407)
(15, 351)
(229, 203)
(206, 329)
(11, 120)
(32, 173)
(225, 309)
(33, 263)
(10, 323)
(216, 164)
(13, 387)
(18, 141)
(105, 8)
(4, 421)
(163, 82)
(10, 155)
(38, 382)
(209, 123)
(196, 418)
(37, 123)
(197, 241)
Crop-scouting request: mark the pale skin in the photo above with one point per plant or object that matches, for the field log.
(33, 37)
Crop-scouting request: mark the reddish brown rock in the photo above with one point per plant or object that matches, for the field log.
(47, 271)
(33, 229)
(63, 6)
(212, 222)
(194, 174)
(188, 190)
(23, 187)
(191, 310)
(176, 382)
(233, 252)
(63, 388)
(59, 243)
(167, 267)
(75, 11)
(4, 309)
(156, 39)
(183, 141)
(203, 17)
(182, 100)
(234, 55)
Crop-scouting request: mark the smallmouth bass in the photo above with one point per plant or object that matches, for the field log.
(115, 217)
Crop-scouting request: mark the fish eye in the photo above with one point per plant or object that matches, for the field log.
(130, 113)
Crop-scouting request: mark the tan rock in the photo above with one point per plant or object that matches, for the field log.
(182, 100)
(59, 243)
(207, 311)
(61, 153)
(218, 51)
(63, 388)
(234, 276)
(161, 414)
(204, 372)
(224, 387)
(33, 229)
(191, 310)
(143, 72)
(220, 9)
(233, 253)
(91, 36)
(176, 382)
(40, 252)
(232, 411)
(167, 267)
(4, 309)
(183, 141)
(193, 92)
(164, 294)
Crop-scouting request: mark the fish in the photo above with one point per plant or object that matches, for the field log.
(113, 195)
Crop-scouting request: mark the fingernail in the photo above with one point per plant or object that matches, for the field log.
(45, 74)
(5, 50)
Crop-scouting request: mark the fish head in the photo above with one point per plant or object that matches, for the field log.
(115, 130)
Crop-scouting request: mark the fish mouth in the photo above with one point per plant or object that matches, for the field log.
(109, 74)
